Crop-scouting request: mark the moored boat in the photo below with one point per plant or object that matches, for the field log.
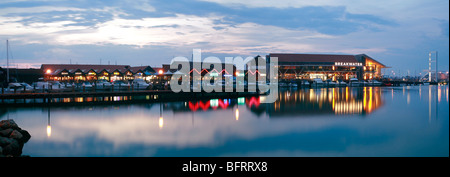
(354, 82)
(318, 82)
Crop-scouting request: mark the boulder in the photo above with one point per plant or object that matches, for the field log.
(5, 124)
(16, 135)
(4, 141)
(25, 136)
(12, 139)
(14, 149)
(6, 132)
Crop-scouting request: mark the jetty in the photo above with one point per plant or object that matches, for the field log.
(112, 96)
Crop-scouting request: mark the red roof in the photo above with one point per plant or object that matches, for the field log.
(313, 57)
(57, 68)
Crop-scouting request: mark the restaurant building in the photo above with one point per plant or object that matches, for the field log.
(326, 66)
(91, 73)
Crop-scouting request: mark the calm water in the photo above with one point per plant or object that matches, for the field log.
(378, 121)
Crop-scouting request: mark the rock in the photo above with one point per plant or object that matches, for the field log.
(14, 149)
(4, 141)
(5, 124)
(12, 139)
(6, 132)
(16, 135)
(25, 136)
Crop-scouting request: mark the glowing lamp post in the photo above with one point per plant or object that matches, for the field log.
(48, 72)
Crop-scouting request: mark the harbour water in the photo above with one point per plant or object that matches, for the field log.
(403, 121)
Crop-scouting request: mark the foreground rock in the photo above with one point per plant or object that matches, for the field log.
(12, 139)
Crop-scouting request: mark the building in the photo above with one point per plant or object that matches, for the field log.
(326, 66)
(27, 75)
(78, 73)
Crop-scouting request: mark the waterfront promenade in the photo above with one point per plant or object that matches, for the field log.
(112, 96)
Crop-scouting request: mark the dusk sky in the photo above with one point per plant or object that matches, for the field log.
(398, 33)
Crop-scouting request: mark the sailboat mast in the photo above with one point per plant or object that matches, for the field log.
(7, 62)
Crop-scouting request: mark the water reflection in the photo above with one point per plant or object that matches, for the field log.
(297, 102)
(49, 127)
(328, 101)
(216, 127)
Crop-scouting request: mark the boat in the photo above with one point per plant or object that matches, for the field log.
(103, 85)
(15, 87)
(317, 82)
(282, 84)
(140, 84)
(330, 83)
(386, 84)
(84, 86)
(305, 83)
(293, 84)
(41, 86)
(364, 83)
(258, 84)
(56, 86)
(26, 87)
(120, 85)
(354, 82)
(374, 83)
(341, 83)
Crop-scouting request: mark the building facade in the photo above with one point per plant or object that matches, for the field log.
(91, 73)
(324, 66)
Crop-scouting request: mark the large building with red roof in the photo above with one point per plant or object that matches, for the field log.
(326, 66)
(76, 72)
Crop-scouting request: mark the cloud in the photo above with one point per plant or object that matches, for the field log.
(38, 9)
(227, 27)
(398, 9)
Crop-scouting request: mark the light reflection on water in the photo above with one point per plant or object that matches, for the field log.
(369, 121)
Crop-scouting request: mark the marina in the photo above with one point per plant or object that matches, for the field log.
(409, 121)
(224, 87)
